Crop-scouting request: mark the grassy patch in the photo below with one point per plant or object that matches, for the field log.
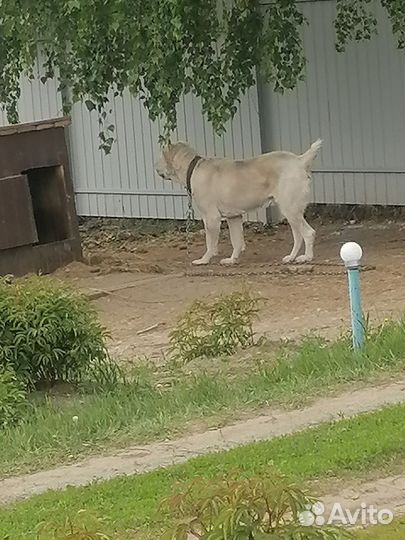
(129, 506)
(393, 531)
(154, 405)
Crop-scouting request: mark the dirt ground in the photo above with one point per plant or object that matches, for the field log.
(142, 288)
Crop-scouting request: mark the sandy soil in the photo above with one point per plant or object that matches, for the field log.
(144, 286)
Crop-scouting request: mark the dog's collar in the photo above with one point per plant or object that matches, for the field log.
(190, 169)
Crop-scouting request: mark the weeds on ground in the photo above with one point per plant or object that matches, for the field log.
(13, 398)
(317, 358)
(83, 526)
(265, 507)
(146, 407)
(391, 531)
(49, 334)
(214, 328)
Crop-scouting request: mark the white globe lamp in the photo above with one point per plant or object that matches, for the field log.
(351, 254)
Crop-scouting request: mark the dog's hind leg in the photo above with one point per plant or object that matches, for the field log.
(295, 224)
(212, 226)
(292, 199)
(235, 225)
(308, 234)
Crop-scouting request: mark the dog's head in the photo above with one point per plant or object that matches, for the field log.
(173, 160)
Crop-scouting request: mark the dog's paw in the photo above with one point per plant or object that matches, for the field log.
(303, 259)
(229, 261)
(199, 262)
(288, 259)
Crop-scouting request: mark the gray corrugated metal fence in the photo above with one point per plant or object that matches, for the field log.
(38, 101)
(355, 101)
(124, 183)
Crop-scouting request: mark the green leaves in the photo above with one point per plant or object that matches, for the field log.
(12, 397)
(48, 333)
(90, 105)
(162, 49)
(396, 14)
(355, 21)
(282, 60)
(214, 328)
(266, 507)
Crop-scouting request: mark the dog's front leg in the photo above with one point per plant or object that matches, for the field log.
(212, 227)
(235, 225)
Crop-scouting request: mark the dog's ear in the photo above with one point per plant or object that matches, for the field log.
(167, 151)
(172, 149)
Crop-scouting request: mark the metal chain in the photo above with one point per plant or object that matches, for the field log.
(277, 269)
(189, 219)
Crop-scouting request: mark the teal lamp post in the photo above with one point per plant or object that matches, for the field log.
(351, 254)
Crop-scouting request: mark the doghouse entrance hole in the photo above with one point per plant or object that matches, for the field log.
(47, 188)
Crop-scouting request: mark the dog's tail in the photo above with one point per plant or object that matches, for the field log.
(310, 155)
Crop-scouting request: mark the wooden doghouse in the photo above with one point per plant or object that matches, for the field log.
(38, 222)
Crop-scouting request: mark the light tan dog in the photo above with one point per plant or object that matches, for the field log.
(223, 188)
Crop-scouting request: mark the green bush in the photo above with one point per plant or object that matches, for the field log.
(48, 333)
(264, 508)
(12, 398)
(214, 328)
